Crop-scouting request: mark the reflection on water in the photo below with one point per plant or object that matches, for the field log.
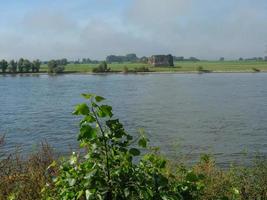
(189, 114)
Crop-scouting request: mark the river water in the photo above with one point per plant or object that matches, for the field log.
(184, 114)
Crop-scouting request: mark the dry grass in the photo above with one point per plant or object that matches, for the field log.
(23, 178)
(237, 183)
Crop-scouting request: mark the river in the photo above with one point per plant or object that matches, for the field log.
(224, 114)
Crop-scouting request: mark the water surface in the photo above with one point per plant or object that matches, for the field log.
(222, 114)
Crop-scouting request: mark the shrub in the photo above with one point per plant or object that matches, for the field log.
(200, 68)
(55, 67)
(112, 167)
(141, 69)
(125, 70)
(102, 68)
(255, 69)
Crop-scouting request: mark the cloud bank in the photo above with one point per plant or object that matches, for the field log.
(206, 29)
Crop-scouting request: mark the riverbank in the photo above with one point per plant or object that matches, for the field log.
(132, 73)
(179, 68)
(26, 177)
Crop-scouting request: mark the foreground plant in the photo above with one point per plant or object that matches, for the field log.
(112, 167)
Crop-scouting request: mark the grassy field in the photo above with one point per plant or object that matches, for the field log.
(211, 66)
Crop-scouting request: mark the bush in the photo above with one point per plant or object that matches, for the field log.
(102, 68)
(141, 69)
(112, 167)
(255, 69)
(54, 67)
(125, 70)
(200, 69)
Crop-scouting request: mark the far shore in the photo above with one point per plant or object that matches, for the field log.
(135, 73)
(183, 67)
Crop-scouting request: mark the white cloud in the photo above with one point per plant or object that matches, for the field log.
(180, 27)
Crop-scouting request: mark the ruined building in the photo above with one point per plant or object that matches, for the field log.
(161, 60)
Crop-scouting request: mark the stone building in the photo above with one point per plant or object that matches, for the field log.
(161, 60)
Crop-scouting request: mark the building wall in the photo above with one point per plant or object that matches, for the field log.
(161, 60)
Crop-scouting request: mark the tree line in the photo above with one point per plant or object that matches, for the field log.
(133, 58)
(27, 66)
(21, 66)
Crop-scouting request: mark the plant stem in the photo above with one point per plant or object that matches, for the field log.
(109, 194)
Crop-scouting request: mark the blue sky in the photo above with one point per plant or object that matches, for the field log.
(207, 29)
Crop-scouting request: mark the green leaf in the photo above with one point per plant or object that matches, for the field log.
(80, 193)
(161, 163)
(87, 132)
(88, 194)
(81, 109)
(90, 119)
(104, 111)
(99, 98)
(94, 104)
(191, 177)
(90, 174)
(142, 142)
(134, 152)
(87, 96)
(129, 137)
(53, 164)
(126, 192)
(71, 181)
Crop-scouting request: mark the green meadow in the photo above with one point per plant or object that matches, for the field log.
(184, 66)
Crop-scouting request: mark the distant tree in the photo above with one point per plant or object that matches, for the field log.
(265, 58)
(240, 59)
(63, 62)
(131, 57)
(113, 58)
(221, 58)
(179, 58)
(3, 65)
(77, 61)
(20, 65)
(26, 65)
(52, 64)
(36, 64)
(54, 67)
(193, 59)
(102, 67)
(12, 66)
(144, 59)
(86, 60)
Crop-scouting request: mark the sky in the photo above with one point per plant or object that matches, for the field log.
(73, 29)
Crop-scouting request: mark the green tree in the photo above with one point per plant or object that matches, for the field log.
(63, 62)
(54, 67)
(26, 65)
(36, 64)
(3, 65)
(102, 68)
(20, 65)
(52, 64)
(12, 66)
